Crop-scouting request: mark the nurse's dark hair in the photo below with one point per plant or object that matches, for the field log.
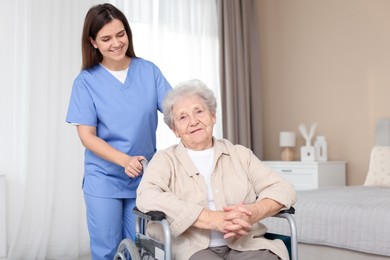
(97, 17)
(190, 88)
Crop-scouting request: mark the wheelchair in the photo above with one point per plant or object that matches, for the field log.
(148, 248)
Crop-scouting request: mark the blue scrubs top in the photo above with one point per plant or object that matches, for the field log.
(125, 116)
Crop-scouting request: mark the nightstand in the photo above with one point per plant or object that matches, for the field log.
(311, 175)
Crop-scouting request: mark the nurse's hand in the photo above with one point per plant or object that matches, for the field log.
(133, 166)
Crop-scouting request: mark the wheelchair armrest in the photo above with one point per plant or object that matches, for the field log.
(290, 210)
(151, 215)
(148, 243)
(287, 214)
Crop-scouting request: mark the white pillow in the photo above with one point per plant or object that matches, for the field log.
(379, 168)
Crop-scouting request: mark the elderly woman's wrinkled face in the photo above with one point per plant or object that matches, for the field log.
(193, 123)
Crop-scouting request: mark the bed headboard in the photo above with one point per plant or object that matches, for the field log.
(382, 132)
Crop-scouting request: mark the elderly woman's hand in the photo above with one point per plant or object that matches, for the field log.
(236, 220)
(215, 220)
(245, 215)
(240, 221)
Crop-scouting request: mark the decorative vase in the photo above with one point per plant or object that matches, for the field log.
(321, 149)
(308, 154)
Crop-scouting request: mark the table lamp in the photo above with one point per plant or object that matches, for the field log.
(287, 142)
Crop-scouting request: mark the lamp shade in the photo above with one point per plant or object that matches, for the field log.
(287, 139)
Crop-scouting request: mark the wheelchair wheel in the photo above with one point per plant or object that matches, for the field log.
(127, 250)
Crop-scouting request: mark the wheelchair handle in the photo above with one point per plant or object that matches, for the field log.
(144, 164)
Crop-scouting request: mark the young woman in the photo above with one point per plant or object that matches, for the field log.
(114, 104)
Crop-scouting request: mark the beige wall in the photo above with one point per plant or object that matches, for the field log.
(326, 62)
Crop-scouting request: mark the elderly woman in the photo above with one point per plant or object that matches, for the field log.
(213, 193)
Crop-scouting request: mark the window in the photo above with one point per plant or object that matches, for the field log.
(181, 38)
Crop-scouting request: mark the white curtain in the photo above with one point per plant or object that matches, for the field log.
(39, 153)
(181, 37)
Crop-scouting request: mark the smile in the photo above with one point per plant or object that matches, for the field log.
(117, 49)
(196, 130)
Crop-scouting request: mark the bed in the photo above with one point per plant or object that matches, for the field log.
(349, 222)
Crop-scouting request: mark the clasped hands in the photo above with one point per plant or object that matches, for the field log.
(237, 220)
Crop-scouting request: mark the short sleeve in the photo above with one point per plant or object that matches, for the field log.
(163, 87)
(81, 109)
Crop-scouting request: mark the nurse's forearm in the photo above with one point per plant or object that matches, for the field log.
(101, 148)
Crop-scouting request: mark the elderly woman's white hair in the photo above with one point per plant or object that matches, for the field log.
(189, 88)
